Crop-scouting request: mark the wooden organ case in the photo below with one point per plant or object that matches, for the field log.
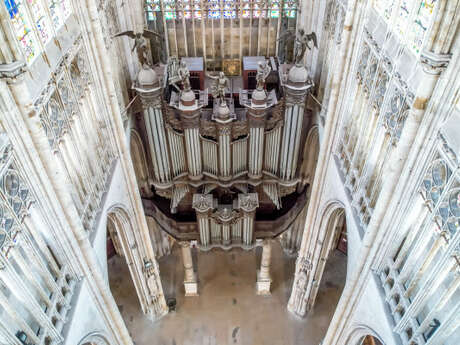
(225, 174)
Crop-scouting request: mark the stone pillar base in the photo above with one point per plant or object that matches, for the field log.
(191, 288)
(263, 285)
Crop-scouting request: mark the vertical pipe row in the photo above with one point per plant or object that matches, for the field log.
(226, 233)
(203, 223)
(224, 152)
(256, 142)
(193, 148)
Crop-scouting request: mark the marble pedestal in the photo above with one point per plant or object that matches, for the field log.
(191, 287)
(263, 285)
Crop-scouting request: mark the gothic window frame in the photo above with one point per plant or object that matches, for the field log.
(32, 25)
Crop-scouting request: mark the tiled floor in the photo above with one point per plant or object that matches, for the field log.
(228, 311)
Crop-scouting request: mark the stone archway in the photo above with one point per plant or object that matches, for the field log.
(119, 229)
(143, 270)
(310, 156)
(139, 160)
(94, 339)
(362, 335)
(370, 340)
(311, 269)
(334, 223)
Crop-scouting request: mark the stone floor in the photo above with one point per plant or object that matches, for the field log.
(228, 311)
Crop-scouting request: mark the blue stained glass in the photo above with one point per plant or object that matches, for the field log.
(12, 7)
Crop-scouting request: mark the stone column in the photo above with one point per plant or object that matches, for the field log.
(263, 275)
(296, 89)
(248, 204)
(150, 91)
(203, 204)
(190, 280)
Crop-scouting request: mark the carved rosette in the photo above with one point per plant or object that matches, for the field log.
(248, 202)
(202, 203)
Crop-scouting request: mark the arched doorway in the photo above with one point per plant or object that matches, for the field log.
(139, 160)
(330, 273)
(121, 260)
(320, 277)
(310, 156)
(369, 340)
(94, 339)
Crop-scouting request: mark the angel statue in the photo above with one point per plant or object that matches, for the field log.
(140, 43)
(218, 87)
(263, 70)
(301, 43)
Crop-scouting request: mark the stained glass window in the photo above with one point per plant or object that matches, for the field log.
(413, 21)
(59, 10)
(41, 20)
(421, 24)
(275, 9)
(290, 8)
(229, 9)
(197, 10)
(213, 9)
(23, 28)
(226, 9)
(170, 9)
(402, 17)
(384, 7)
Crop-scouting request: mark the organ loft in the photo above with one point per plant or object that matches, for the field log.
(226, 159)
(245, 172)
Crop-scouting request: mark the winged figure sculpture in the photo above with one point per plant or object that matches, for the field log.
(139, 41)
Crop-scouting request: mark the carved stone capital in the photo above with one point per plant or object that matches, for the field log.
(433, 63)
(13, 72)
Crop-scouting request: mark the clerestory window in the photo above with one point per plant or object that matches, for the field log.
(35, 22)
(411, 19)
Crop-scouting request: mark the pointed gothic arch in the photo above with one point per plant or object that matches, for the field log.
(310, 156)
(332, 227)
(121, 228)
(363, 335)
(95, 338)
(139, 160)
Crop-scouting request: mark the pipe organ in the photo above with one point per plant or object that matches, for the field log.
(229, 165)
